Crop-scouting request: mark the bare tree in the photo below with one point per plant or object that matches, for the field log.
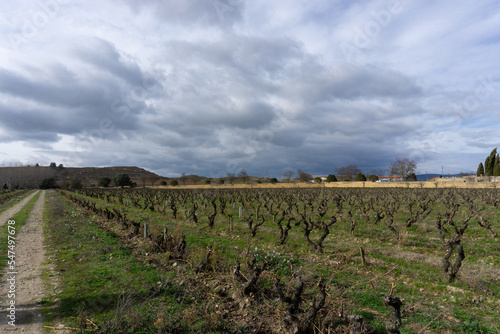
(153, 180)
(21, 177)
(288, 174)
(403, 167)
(231, 177)
(183, 178)
(303, 176)
(347, 173)
(194, 178)
(244, 175)
(379, 172)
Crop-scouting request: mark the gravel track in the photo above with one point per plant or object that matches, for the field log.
(11, 212)
(29, 287)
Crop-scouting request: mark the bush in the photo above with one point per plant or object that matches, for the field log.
(360, 177)
(123, 180)
(331, 178)
(273, 180)
(207, 181)
(48, 183)
(163, 183)
(372, 178)
(75, 184)
(220, 181)
(174, 183)
(317, 180)
(104, 182)
(411, 177)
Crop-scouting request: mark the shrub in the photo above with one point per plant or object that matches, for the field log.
(48, 183)
(104, 182)
(123, 180)
(331, 178)
(372, 178)
(174, 183)
(360, 177)
(411, 177)
(273, 180)
(220, 181)
(75, 184)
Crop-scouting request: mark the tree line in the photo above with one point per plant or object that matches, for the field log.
(403, 167)
(491, 165)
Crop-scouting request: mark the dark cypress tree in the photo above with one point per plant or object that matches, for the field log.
(480, 170)
(496, 167)
(489, 164)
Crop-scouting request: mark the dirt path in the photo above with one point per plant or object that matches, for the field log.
(29, 289)
(9, 213)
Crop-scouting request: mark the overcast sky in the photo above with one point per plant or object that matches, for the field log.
(213, 86)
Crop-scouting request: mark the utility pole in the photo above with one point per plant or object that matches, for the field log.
(442, 171)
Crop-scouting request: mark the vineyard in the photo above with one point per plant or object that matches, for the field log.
(328, 260)
(5, 196)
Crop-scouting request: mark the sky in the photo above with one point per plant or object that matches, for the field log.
(210, 87)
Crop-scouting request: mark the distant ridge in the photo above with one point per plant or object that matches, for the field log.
(32, 176)
(425, 177)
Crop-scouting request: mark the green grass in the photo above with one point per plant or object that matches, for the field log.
(9, 199)
(413, 264)
(101, 280)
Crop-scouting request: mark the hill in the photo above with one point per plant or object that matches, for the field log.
(32, 176)
(425, 177)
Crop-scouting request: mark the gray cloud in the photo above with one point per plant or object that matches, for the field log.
(105, 57)
(212, 86)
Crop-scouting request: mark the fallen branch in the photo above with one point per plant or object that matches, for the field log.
(63, 327)
(373, 279)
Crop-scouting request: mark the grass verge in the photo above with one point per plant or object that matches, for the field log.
(8, 200)
(99, 280)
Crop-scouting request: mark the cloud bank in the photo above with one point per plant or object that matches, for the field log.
(210, 87)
